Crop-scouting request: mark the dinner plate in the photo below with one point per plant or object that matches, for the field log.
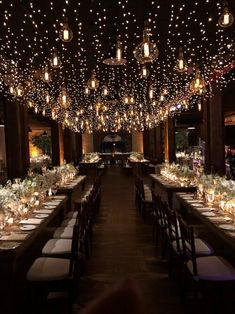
(219, 219)
(43, 211)
(58, 197)
(196, 204)
(227, 227)
(207, 208)
(208, 214)
(31, 221)
(41, 215)
(28, 227)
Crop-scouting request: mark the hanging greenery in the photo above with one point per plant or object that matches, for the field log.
(43, 142)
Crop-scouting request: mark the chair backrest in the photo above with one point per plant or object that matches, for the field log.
(74, 247)
(156, 205)
(173, 228)
(188, 242)
(163, 208)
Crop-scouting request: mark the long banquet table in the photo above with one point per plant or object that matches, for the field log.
(217, 221)
(166, 188)
(20, 242)
(72, 189)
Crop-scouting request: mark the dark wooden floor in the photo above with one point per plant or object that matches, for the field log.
(123, 248)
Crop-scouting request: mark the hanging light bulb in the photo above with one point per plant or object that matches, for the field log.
(118, 60)
(154, 103)
(126, 99)
(98, 105)
(19, 91)
(55, 61)
(165, 91)
(64, 100)
(226, 19)
(105, 91)
(30, 103)
(86, 90)
(47, 98)
(151, 92)
(131, 100)
(65, 33)
(12, 90)
(144, 71)
(162, 97)
(93, 83)
(146, 51)
(46, 75)
(181, 63)
(199, 105)
(198, 84)
(185, 103)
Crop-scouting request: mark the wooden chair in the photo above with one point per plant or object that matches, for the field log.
(175, 245)
(50, 274)
(203, 270)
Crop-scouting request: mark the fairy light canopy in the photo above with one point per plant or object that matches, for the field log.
(37, 60)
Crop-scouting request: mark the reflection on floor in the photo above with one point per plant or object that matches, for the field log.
(123, 248)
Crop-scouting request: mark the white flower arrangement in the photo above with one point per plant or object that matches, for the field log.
(19, 197)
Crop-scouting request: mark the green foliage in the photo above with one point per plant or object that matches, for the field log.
(43, 142)
(181, 140)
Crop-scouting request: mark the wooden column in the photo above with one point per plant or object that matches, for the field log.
(216, 132)
(137, 141)
(87, 143)
(158, 144)
(78, 140)
(57, 144)
(152, 144)
(146, 143)
(17, 143)
(68, 145)
(206, 134)
(169, 140)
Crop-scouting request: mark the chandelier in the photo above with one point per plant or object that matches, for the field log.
(47, 97)
(93, 83)
(198, 84)
(144, 71)
(118, 60)
(128, 99)
(55, 61)
(65, 33)
(105, 91)
(146, 51)
(226, 19)
(63, 99)
(46, 77)
(151, 92)
(181, 63)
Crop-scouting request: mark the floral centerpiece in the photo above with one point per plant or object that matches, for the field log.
(137, 157)
(179, 173)
(91, 158)
(20, 197)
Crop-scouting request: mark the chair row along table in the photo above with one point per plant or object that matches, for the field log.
(22, 241)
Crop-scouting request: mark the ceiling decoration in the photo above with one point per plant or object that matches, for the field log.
(111, 65)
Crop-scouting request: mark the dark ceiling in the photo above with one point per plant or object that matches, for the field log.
(30, 33)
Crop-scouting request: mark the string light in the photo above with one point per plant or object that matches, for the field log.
(24, 52)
